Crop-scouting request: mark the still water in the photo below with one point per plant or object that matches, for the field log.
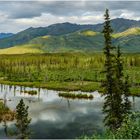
(57, 117)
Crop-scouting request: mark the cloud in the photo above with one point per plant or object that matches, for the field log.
(16, 16)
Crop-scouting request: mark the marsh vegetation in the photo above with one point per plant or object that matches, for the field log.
(75, 95)
(63, 71)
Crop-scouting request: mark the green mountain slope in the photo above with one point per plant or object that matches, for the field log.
(131, 31)
(80, 41)
(129, 40)
(129, 43)
(23, 37)
(30, 33)
(22, 49)
(89, 40)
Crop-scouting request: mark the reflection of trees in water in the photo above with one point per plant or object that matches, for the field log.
(14, 90)
(47, 92)
(133, 98)
(10, 87)
(4, 121)
(39, 94)
(20, 89)
(5, 128)
(68, 102)
(5, 99)
(1, 86)
(24, 89)
(4, 87)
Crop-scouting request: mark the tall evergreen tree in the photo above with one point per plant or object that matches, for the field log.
(22, 120)
(112, 85)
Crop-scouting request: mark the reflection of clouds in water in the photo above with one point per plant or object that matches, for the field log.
(59, 112)
(70, 128)
(49, 116)
(51, 107)
(55, 117)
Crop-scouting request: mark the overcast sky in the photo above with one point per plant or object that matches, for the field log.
(17, 16)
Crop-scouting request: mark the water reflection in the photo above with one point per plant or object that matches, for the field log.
(55, 117)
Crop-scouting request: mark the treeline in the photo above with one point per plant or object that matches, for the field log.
(61, 67)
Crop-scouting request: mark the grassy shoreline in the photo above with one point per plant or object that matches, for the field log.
(85, 86)
(59, 86)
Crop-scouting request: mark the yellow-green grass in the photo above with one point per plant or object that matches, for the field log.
(88, 33)
(85, 86)
(135, 91)
(46, 37)
(131, 31)
(22, 49)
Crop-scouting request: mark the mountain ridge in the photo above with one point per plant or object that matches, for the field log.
(58, 29)
(79, 41)
(4, 35)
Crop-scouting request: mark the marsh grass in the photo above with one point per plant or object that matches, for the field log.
(75, 95)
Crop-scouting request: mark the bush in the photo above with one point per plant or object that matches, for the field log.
(130, 129)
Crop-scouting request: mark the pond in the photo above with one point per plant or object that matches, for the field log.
(57, 117)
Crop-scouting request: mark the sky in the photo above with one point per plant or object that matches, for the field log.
(16, 16)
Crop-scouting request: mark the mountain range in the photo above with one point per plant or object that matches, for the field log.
(4, 35)
(64, 37)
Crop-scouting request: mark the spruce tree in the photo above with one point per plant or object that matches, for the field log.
(119, 87)
(108, 84)
(22, 120)
(112, 86)
(122, 87)
(126, 92)
(116, 90)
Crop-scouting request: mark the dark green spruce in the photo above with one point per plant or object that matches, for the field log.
(22, 120)
(115, 90)
(122, 84)
(109, 107)
(127, 103)
(118, 93)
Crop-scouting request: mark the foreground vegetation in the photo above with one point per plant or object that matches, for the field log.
(129, 129)
(5, 113)
(22, 120)
(63, 71)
